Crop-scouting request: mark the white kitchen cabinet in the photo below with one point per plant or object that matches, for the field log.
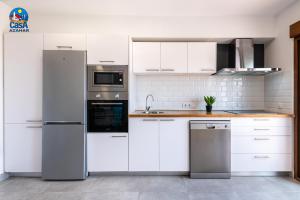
(261, 162)
(202, 57)
(107, 152)
(144, 144)
(23, 63)
(261, 144)
(174, 144)
(174, 57)
(107, 49)
(146, 57)
(261, 130)
(59, 41)
(262, 122)
(23, 147)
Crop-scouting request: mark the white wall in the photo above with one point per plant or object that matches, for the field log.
(279, 87)
(157, 26)
(4, 23)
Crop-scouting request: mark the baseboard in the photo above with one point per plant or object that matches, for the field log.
(25, 174)
(3, 176)
(261, 174)
(233, 174)
(138, 173)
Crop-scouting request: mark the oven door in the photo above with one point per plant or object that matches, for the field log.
(107, 116)
(107, 78)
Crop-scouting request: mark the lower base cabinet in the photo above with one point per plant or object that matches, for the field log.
(261, 162)
(159, 144)
(107, 152)
(23, 148)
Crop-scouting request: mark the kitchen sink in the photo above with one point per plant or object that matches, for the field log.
(153, 112)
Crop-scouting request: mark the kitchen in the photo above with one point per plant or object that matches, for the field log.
(116, 99)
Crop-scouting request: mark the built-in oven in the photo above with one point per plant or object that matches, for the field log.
(107, 78)
(107, 116)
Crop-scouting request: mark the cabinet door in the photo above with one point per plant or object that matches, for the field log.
(174, 145)
(107, 152)
(202, 57)
(23, 62)
(64, 42)
(174, 57)
(107, 49)
(23, 148)
(146, 57)
(143, 144)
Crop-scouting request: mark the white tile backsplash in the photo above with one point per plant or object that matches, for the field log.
(279, 92)
(185, 92)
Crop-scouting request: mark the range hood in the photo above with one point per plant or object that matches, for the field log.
(244, 61)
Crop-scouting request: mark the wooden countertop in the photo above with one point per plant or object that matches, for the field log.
(186, 113)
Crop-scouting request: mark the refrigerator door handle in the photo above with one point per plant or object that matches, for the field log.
(61, 122)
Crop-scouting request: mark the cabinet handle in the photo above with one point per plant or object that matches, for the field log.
(38, 120)
(261, 129)
(261, 119)
(118, 136)
(207, 70)
(107, 61)
(34, 126)
(261, 157)
(152, 70)
(64, 47)
(150, 120)
(257, 139)
(167, 70)
(167, 120)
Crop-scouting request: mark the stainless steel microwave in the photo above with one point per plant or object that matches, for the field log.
(107, 78)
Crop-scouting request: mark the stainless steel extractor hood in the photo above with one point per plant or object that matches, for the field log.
(244, 61)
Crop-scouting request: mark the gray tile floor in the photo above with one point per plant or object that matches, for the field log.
(151, 188)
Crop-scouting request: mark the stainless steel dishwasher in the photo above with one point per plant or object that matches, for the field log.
(210, 149)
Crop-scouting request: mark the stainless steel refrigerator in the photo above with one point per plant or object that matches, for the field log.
(64, 121)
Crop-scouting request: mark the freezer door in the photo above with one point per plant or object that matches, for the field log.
(64, 152)
(64, 75)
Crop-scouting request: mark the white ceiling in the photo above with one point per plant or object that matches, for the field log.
(154, 7)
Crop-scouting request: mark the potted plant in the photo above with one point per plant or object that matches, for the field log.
(209, 100)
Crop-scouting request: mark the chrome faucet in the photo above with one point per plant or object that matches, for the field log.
(147, 109)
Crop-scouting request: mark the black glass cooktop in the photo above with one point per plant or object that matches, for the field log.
(247, 111)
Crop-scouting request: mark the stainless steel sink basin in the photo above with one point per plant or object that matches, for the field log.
(153, 112)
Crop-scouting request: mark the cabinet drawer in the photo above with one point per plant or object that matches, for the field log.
(260, 162)
(107, 152)
(261, 130)
(261, 144)
(264, 122)
(64, 42)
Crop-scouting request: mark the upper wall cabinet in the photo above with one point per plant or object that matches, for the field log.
(174, 57)
(64, 42)
(23, 64)
(107, 49)
(146, 57)
(202, 57)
